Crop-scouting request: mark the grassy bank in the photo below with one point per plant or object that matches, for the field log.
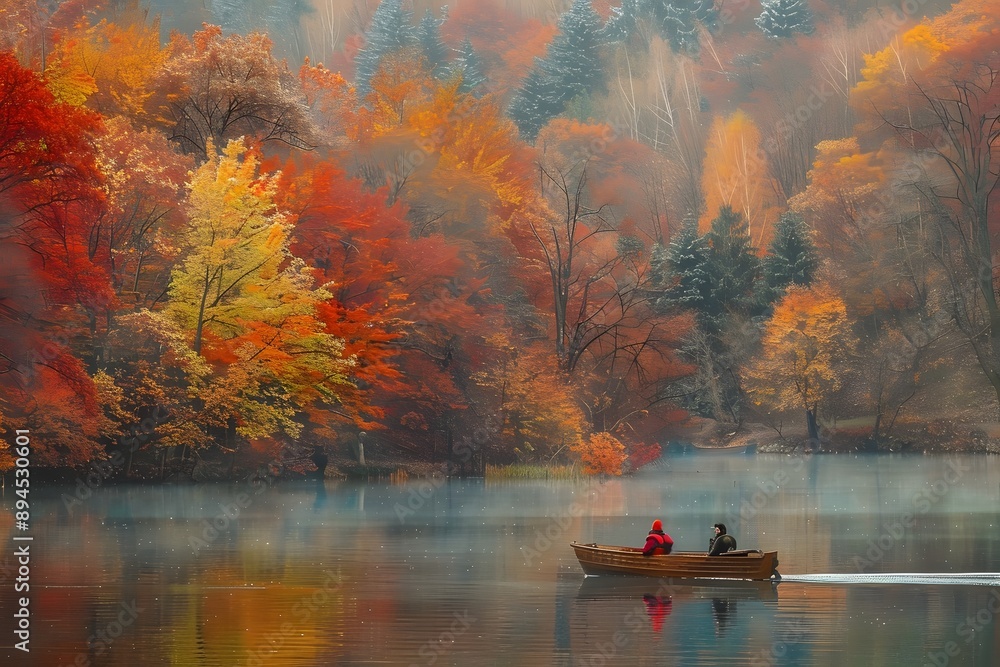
(530, 471)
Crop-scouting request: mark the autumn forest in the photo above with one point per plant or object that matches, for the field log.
(494, 231)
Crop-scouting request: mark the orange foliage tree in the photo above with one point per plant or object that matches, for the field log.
(533, 398)
(110, 66)
(805, 344)
(736, 173)
(843, 203)
(143, 183)
(332, 101)
(601, 454)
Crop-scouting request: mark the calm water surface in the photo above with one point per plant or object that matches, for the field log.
(469, 572)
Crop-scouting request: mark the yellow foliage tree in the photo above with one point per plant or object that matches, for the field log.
(109, 66)
(804, 345)
(886, 72)
(67, 75)
(600, 454)
(736, 173)
(247, 305)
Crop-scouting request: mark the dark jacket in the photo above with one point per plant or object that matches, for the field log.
(721, 544)
(657, 542)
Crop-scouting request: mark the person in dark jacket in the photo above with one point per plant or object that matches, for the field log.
(722, 542)
(657, 542)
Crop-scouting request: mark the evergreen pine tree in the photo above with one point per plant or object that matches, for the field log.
(678, 21)
(390, 30)
(792, 258)
(570, 68)
(622, 22)
(684, 270)
(429, 38)
(536, 103)
(468, 65)
(573, 59)
(783, 18)
(733, 266)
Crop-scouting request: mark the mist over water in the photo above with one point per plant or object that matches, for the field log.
(472, 572)
(424, 186)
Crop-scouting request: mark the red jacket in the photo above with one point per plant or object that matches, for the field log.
(657, 542)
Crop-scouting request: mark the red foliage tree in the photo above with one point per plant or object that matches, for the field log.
(399, 302)
(49, 185)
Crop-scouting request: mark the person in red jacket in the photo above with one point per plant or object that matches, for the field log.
(657, 542)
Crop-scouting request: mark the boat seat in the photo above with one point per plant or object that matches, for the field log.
(743, 552)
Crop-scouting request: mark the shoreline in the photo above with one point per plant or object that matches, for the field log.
(941, 436)
(937, 437)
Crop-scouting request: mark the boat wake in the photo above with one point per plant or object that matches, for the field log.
(927, 578)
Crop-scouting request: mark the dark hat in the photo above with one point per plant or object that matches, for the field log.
(721, 527)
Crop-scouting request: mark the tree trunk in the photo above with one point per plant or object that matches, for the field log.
(813, 428)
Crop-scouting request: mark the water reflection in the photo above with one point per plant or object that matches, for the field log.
(723, 610)
(321, 496)
(657, 608)
(617, 616)
(611, 614)
(337, 573)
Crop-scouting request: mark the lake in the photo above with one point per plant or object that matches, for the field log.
(474, 572)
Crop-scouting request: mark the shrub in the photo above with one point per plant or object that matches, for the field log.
(601, 453)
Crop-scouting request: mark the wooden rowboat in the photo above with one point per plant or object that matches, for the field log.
(602, 559)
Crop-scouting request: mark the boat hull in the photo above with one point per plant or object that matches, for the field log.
(599, 559)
